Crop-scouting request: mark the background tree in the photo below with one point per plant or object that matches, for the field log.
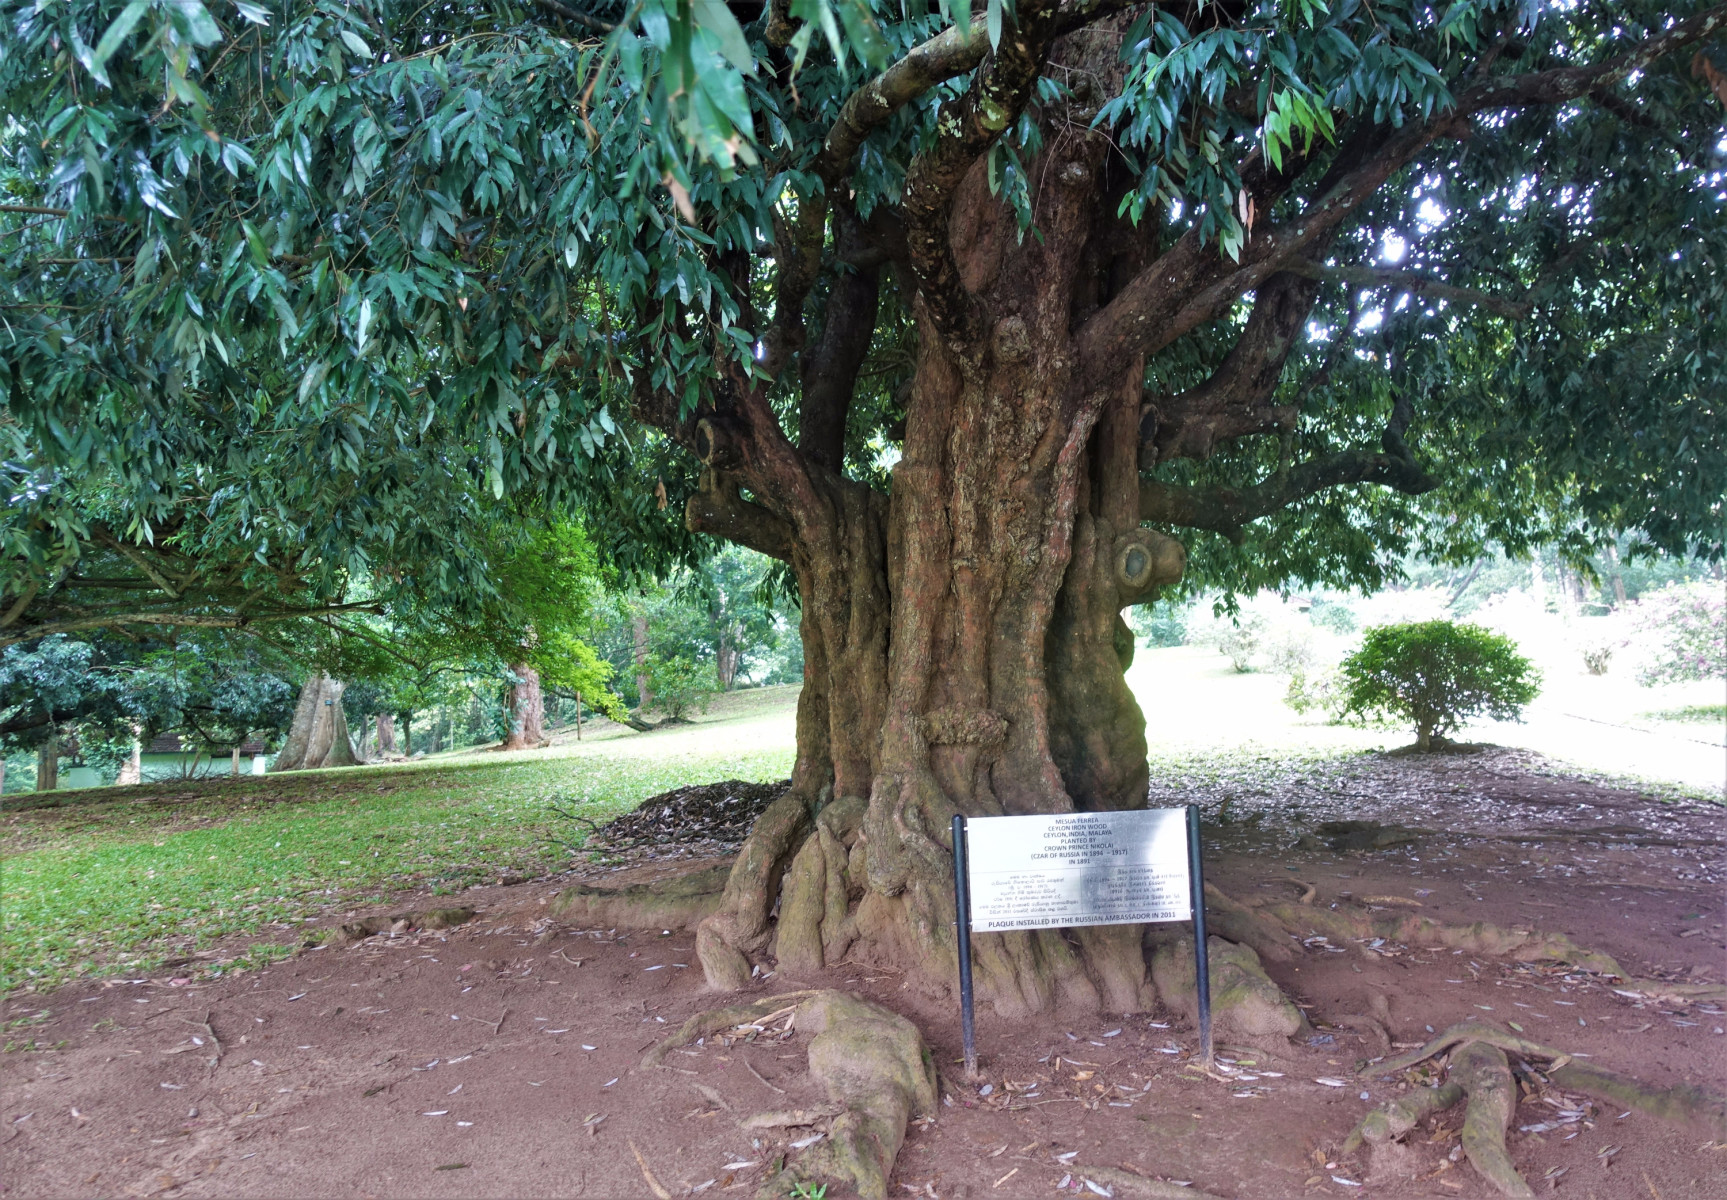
(962, 318)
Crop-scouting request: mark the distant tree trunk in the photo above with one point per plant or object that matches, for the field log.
(234, 763)
(644, 696)
(132, 770)
(578, 716)
(408, 732)
(48, 765)
(318, 736)
(387, 734)
(1616, 578)
(726, 657)
(527, 709)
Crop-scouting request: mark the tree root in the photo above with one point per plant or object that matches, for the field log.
(872, 1063)
(1485, 1076)
(1399, 1116)
(716, 1020)
(1480, 1070)
(1683, 1103)
(1520, 945)
(678, 903)
(1245, 1002)
(741, 923)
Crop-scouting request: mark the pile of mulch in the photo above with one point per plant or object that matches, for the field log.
(689, 822)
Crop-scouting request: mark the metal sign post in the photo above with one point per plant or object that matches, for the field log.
(1072, 869)
(962, 902)
(1201, 954)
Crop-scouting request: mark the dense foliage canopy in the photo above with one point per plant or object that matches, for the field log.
(299, 295)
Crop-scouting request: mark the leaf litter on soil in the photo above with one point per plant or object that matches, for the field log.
(688, 822)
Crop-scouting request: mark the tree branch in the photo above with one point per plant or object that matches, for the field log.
(183, 620)
(1415, 281)
(798, 242)
(716, 508)
(569, 14)
(966, 127)
(1191, 283)
(1236, 399)
(1225, 510)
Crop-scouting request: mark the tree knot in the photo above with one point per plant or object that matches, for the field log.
(962, 727)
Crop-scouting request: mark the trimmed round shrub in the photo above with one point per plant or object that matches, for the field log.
(1436, 675)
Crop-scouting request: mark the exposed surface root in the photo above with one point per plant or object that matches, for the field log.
(1479, 1069)
(678, 903)
(408, 922)
(872, 1063)
(705, 1024)
(1231, 919)
(740, 924)
(875, 1063)
(1399, 1116)
(1681, 1103)
(1245, 1003)
(1520, 945)
(1484, 1074)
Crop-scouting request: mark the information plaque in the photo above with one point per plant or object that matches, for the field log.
(1105, 868)
(1072, 869)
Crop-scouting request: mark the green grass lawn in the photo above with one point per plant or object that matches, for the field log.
(120, 879)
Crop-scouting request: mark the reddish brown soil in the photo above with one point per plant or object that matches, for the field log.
(377, 1071)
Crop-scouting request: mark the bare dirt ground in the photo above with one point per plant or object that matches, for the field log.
(500, 1058)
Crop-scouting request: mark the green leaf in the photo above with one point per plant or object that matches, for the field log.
(717, 19)
(117, 33)
(356, 43)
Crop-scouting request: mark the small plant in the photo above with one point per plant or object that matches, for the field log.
(1436, 674)
(1160, 624)
(1239, 641)
(1338, 618)
(1597, 657)
(805, 1190)
(1318, 691)
(1290, 651)
(679, 684)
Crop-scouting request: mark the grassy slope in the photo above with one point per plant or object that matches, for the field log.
(119, 879)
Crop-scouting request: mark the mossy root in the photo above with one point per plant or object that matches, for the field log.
(1484, 1073)
(1397, 1117)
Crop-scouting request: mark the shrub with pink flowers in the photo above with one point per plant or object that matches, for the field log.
(1685, 627)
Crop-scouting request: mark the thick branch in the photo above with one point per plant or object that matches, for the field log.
(1192, 283)
(967, 126)
(182, 620)
(569, 14)
(798, 241)
(1236, 399)
(1415, 281)
(830, 367)
(715, 508)
(1225, 510)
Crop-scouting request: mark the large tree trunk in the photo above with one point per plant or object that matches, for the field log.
(48, 765)
(387, 733)
(318, 736)
(527, 710)
(964, 649)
